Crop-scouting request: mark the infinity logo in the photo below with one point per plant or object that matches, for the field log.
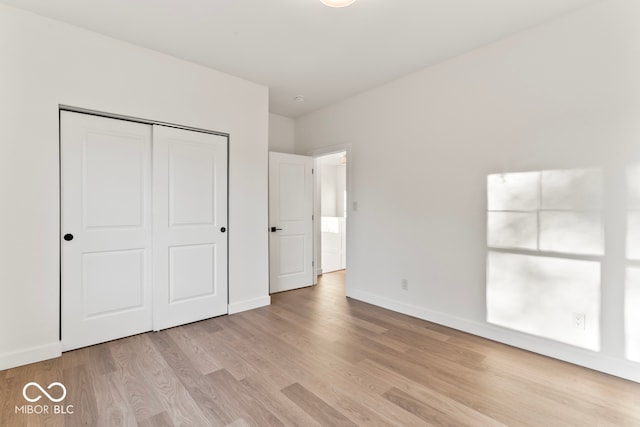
(43, 391)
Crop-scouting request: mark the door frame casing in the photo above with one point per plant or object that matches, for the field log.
(321, 152)
(73, 109)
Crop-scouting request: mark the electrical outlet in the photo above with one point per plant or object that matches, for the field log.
(404, 284)
(580, 321)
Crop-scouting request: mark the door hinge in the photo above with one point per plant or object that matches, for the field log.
(313, 263)
(312, 217)
(312, 171)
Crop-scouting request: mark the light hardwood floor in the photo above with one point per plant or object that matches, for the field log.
(316, 358)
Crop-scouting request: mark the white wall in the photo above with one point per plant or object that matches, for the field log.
(281, 134)
(562, 95)
(333, 183)
(46, 63)
(328, 189)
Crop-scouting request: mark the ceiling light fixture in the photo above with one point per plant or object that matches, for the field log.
(337, 3)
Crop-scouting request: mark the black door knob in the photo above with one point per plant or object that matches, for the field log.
(68, 237)
(223, 229)
(273, 229)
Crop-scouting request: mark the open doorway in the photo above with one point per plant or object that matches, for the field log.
(331, 209)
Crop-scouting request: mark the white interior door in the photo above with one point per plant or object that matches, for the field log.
(190, 220)
(106, 221)
(290, 217)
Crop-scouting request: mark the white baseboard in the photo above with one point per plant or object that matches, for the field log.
(241, 306)
(30, 355)
(50, 351)
(578, 356)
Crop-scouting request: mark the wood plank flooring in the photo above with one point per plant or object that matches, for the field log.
(315, 358)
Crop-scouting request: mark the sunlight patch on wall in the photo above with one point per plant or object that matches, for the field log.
(633, 235)
(633, 218)
(576, 189)
(571, 232)
(538, 223)
(514, 191)
(513, 230)
(555, 211)
(632, 287)
(632, 314)
(540, 295)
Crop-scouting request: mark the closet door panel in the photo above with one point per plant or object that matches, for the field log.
(106, 229)
(190, 220)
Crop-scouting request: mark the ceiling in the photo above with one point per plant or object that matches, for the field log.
(301, 47)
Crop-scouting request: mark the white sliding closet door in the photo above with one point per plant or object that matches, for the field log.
(106, 223)
(144, 217)
(189, 231)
